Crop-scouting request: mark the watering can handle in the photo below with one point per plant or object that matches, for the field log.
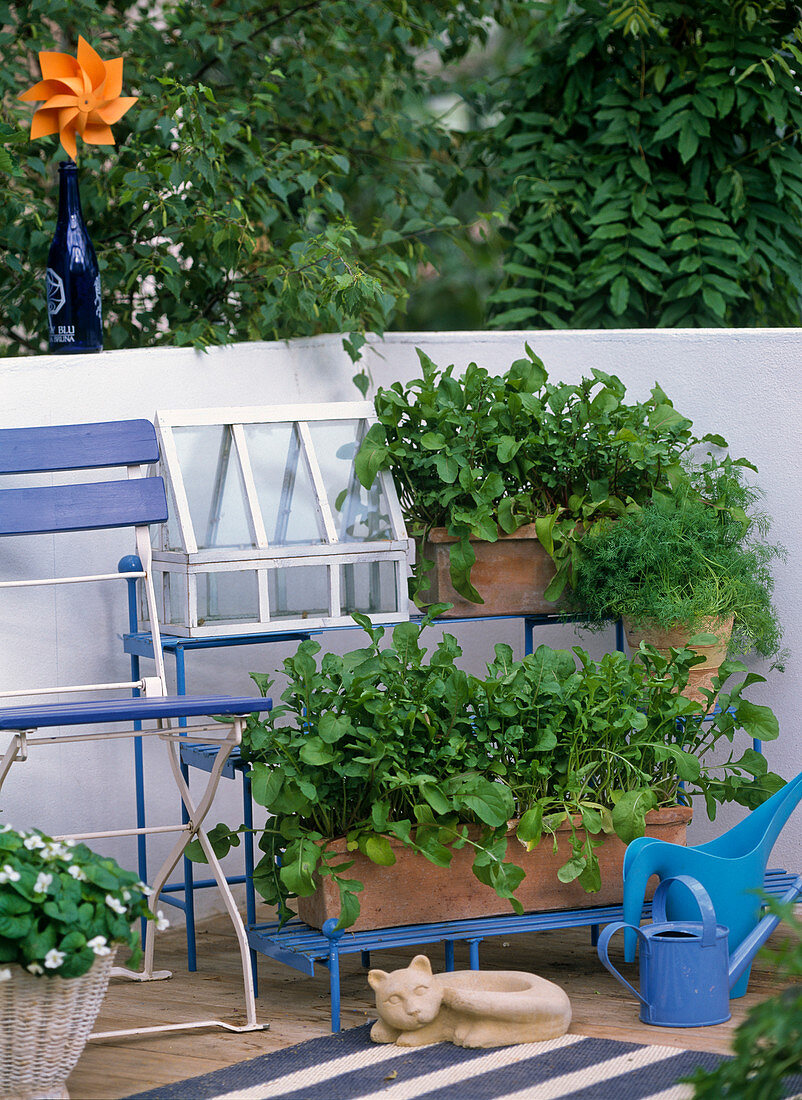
(702, 898)
(604, 941)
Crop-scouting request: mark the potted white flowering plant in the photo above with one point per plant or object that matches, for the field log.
(64, 909)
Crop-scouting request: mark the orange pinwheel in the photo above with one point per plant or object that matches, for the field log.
(82, 97)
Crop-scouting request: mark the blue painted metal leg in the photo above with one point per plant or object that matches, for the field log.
(250, 896)
(529, 629)
(365, 959)
(189, 871)
(129, 564)
(473, 953)
(448, 946)
(333, 936)
(619, 636)
(594, 935)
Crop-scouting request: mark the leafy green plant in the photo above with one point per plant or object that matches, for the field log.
(684, 558)
(62, 905)
(651, 151)
(382, 744)
(767, 1045)
(484, 454)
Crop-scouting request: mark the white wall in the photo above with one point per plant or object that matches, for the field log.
(745, 384)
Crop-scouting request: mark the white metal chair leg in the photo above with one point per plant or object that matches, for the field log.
(194, 829)
(17, 750)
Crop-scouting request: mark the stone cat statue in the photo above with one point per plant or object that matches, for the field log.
(472, 1008)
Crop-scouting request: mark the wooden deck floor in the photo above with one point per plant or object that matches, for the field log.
(296, 1006)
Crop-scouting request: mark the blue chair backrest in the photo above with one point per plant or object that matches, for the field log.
(77, 446)
(87, 506)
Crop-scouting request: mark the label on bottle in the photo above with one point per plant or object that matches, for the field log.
(62, 334)
(98, 307)
(55, 292)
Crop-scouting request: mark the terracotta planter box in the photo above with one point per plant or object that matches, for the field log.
(510, 575)
(415, 891)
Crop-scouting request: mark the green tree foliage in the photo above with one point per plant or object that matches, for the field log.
(277, 177)
(652, 153)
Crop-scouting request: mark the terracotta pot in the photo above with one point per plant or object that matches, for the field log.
(701, 676)
(510, 575)
(415, 891)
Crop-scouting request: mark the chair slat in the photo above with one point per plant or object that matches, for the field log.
(93, 506)
(77, 446)
(129, 710)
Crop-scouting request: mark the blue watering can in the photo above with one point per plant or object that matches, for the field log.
(686, 971)
(731, 868)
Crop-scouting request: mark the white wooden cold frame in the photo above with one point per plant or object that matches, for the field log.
(191, 563)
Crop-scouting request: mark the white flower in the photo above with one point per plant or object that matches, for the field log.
(33, 842)
(115, 904)
(5, 975)
(54, 959)
(144, 888)
(77, 873)
(161, 921)
(5, 829)
(42, 883)
(126, 895)
(69, 842)
(56, 851)
(34, 968)
(8, 874)
(99, 945)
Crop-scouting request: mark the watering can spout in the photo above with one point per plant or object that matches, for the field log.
(743, 955)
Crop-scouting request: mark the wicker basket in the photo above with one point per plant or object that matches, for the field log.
(44, 1024)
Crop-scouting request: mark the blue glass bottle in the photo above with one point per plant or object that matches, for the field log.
(75, 321)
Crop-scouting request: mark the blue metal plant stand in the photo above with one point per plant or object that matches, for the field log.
(300, 947)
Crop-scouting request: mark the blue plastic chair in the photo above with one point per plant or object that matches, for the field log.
(131, 500)
(731, 868)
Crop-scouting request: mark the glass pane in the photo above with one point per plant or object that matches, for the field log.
(213, 482)
(298, 593)
(228, 597)
(176, 609)
(369, 586)
(359, 515)
(285, 490)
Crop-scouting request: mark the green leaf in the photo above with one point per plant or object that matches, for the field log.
(378, 850)
(758, 722)
(461, 560)
(619, 295)
(629, 813)
(371, 455)
(317, 752)
(530, 827)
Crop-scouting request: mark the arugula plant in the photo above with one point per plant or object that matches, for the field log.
(485, 454)
(63, 905)
(384, 744)
(684, 558)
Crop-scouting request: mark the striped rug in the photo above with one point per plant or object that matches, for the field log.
(347, 1066)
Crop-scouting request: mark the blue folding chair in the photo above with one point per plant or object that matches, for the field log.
(131, 501)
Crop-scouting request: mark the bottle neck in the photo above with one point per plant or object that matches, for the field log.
(69, 199)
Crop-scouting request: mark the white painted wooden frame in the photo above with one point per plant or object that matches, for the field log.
(193, 563)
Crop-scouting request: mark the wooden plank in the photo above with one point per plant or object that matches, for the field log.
(297, 1007)
(77, 446)
(95, 506)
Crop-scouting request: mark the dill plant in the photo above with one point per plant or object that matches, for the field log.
(685, 557)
